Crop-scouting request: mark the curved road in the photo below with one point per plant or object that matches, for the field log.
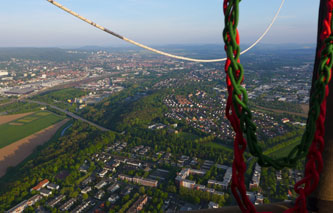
(69, 114)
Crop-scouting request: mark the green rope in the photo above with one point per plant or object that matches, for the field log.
(240, 97)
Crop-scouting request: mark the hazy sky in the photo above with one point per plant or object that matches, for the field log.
(157, 22)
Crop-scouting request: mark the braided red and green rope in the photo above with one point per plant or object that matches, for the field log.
(240, 116)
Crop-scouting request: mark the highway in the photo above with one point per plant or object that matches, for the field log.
(69, 84)
(24, 98)
(70, 114)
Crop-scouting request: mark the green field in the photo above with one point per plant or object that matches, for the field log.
(187, 136)
(283, 152)
(28, 125)
(215, 145)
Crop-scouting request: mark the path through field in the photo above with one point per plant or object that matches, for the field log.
(304, 115)
(7, 118)
(14, 153)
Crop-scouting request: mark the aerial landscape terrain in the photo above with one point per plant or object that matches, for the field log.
(100, 129)
(156, 106)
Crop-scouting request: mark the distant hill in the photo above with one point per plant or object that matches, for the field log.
(50, 54)
(208, 51)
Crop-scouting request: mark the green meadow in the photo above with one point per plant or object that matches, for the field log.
(15, 130)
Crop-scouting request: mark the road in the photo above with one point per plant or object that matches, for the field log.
(69, 84)
(66, 85)
(68, 113)
(7, 103)
(304, 115)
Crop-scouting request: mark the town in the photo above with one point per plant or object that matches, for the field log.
(175, 157)
(127, 181)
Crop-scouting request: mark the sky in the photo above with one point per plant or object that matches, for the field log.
(37, 23)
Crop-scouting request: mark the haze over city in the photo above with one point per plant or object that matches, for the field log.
(153, 22)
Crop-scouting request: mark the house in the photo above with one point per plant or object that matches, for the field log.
(259, 199)
(56, 200)
(66, 206)
(99, 194)
(138, 205)
(210, 190)
(34, 199)
(84, 168)
(256, 177)
(113, 188)
(82, 207)
(125, 177)
(187, 183)
(219, 193)
(103, 173)
(40, 185)
(113, 199)
(52, 186)
(101, 184)
(86, 190)
(145, 182)
(133, 163)
(18, 208)
(127, 190)
(197, 172)
(110, 168)
(214, 182)
(45, 192)
(199, 187)
(24, 204)
(285, 120)
(227, 178)
(212, 205)
(87, 181)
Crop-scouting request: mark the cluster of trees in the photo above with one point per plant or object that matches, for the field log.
(137, 173)
(158, 197)
(273, 189)
(60, 95)
(294, 141)
(177, 145)
(249, 170)
(279, 142)
(279, 105)
(125, 206)
(131, 111)
(198, 196)
(212, 174)
(60, 98)
(64, 154)
(206, 139)
(19, 107)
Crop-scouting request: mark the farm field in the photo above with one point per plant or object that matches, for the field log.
(7, 118)
(22, 127)
(16, 152)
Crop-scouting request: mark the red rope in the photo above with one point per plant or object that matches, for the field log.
(238, 187)
(314, 163)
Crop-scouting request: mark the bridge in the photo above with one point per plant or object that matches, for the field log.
(70, 114)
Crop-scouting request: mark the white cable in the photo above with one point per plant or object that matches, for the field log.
(158, 51)
(266, 31)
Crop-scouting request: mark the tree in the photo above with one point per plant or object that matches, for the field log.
(85, 196)
(126, 198)
(266, 200)
(107, 204)
(172, 188)
(196, 200)
(142, 190)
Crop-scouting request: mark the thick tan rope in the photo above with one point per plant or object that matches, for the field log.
(158, 51)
